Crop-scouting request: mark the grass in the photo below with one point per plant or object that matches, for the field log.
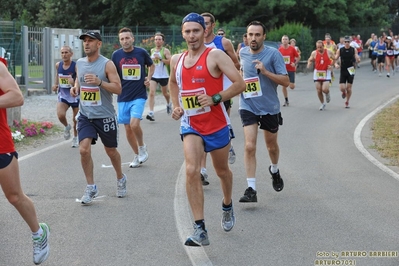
(385, 133)
(35, 71)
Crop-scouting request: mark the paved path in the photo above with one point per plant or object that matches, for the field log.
(335, 200)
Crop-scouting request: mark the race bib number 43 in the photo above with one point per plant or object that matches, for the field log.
(131, 72)
(190, 102)
(252, 88)
(90, 96)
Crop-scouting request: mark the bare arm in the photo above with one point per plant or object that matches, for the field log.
(282, 80)
(114, 82)
(55, 86)
(12, 96)
(311, 59)
(229, 48)
(167, 56)
(174, 88)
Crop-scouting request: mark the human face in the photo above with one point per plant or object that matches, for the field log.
(209, 26)
(193, 33)
(320, 47)
(328, 40)
(158, 41)
(347, 44)
(126, 40)
(255, 37)
(66, 54)
(221, 33)
(284, 40)
(91, 46)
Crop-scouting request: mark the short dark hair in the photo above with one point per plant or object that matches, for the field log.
(257, 23)
(209, 15)
(160, 34)
(125, 29)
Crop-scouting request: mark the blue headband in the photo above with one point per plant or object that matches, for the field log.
(194, 17)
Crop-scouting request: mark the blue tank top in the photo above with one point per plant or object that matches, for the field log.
(63, 84)
(216, 43)
(381, 47)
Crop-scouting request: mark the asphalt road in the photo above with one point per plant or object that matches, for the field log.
(337, 204)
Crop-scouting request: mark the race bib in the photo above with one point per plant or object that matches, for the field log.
(190, 102)
(90, 96)
(320, 74)
(351, 70)
(287, 59)
(252, 88)
(380, 52)
(131, 72)
(63, 81)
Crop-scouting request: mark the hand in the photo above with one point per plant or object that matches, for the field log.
(146, 82)
(177, 113)
(54, 88)
(92, 79)
(205, 100)
(258, 65)
(74, 91)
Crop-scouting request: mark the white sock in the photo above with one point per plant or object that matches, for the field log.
(251, 182)
(38, 233)
(274, 168)
(92, 186)
(203, 170)
(151, 112)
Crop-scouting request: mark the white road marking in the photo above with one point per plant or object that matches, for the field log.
(359, 144)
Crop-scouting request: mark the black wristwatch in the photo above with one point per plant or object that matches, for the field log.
(216, 98)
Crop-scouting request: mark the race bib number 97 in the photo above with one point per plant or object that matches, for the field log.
(131, 72)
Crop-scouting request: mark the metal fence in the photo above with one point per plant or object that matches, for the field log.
(10, 44)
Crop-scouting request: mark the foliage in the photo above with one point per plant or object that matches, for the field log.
(26, 128)
(236, 13)
(299, 32)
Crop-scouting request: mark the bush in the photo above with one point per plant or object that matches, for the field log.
(297, 31)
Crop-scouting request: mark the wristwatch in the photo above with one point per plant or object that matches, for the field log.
(216, 98)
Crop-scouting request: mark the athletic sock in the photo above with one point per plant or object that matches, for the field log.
(200, 224)
(251, 182)
(274, 168)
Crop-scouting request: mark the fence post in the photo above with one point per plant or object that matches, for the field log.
(47, 59)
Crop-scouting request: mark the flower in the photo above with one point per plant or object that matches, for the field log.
(26, 128)
(17, 136)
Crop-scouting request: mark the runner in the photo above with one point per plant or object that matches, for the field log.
(161, 58)
(10, 182)
(346, 58)
(381, 49)
(215, 41)
(97, 80)
(291, 59)
(263, 70)
(131, 63)
(390, 56)
(323, 64)
(64, 79)
(204, 120)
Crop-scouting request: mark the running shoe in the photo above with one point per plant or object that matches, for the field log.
(249, 196)
(41, 247)
(198, 238)
(278, 183)
(143, 154)
(67, 132)
(347, 105)
(343, 95)
(75, 142)
(228, 219)
(135, 163)
(286, 104)
(232, 155)
(150, 117)
(121, 187)
(204, 179)
(169, 108)
(379, 74)
(328, 98)
(322, 107)
(387, 75)
(89, 195)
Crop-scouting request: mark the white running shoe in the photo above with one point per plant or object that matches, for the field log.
(67, 132)
(232, 155)
(41, 247)
(143, 154)
(89, 195)
(75, 142)
(121, 187)
(322, 107)
(135, 163)
(328, 98)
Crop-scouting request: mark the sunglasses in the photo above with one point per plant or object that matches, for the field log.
(346, 41)
(221, 34)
